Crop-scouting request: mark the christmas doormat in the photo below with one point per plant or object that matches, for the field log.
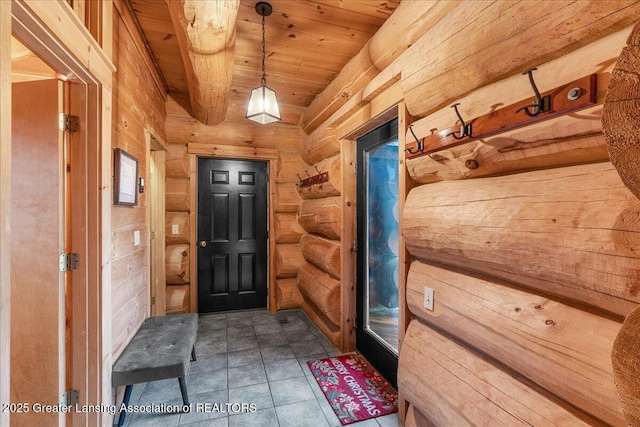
(353, 388)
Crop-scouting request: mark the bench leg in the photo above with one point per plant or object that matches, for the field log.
(183, 390)
(125, 402)
(193, 353)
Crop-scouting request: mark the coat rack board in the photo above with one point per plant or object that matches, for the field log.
(561, 100)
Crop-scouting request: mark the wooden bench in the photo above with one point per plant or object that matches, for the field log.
(162, 348)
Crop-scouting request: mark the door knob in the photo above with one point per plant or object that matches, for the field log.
(203, 243)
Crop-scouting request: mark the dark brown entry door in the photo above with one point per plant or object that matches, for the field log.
(232, 235)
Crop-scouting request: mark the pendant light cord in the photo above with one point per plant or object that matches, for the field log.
(264, 73)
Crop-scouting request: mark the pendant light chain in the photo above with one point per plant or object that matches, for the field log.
(263, 102)
(264, 73)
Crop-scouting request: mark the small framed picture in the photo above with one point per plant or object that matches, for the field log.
(125, 179)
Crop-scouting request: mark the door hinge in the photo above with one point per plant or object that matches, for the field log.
(153, 300)
(69, 261)
(354, 248)
(355, 321)
(70, 398)
(152, 235)
(69, 123)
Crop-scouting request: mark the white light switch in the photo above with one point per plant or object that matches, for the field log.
(136, 238)
(428, 298)
(175, 229)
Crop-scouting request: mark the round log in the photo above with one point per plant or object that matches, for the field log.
(561, 348)
(626, 369)
(485, 57)
(177, 299)
(287, 166)
(320, 145)
(564, 141)
(177, 264)
(287, 198)
(179, 220)
(288, 260)
(326, 189)
(620, 118)
(322, 216)
(505, 226)
(177, 161)
(322, 253)
(415, 418)
(440, 378)
(206, 33)
(328, 328)
(287, 294)
(177, 195)
(287, 228)
(322, 289)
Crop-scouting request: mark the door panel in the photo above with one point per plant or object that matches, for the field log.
(38, 337)
(232, 235)
(377, 231)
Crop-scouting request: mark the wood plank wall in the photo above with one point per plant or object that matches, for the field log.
(139, 106)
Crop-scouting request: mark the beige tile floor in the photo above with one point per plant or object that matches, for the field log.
(249, 357)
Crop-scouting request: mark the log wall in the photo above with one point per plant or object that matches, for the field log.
(531, 257)
(527, 219)
(454, 376)
(138, 107)
(178, 218)
(541, 338)
(321, 216)
(288, 296)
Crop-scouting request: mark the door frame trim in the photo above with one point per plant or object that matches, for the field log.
(269, 155)
(155, 187)
(55, 33)
(382, 357)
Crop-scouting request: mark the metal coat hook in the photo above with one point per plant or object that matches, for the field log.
(420, 142)
(540, 104)
(307, 172)
(317, 170)
(465, 128)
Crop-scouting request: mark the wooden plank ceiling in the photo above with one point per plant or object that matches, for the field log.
(307, 44)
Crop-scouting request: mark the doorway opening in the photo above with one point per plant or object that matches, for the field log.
(377, 277)
(156, 189)
(57, 174)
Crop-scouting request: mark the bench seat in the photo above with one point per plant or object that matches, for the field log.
(161, 349)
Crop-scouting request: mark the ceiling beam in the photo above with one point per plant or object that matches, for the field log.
(206, 32)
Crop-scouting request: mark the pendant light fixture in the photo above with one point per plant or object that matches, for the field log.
(263, 104)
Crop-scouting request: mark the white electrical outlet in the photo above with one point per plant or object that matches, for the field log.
(175, 229)
(136, 238)
(428, 298)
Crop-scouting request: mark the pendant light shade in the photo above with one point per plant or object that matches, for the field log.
(263, 104)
